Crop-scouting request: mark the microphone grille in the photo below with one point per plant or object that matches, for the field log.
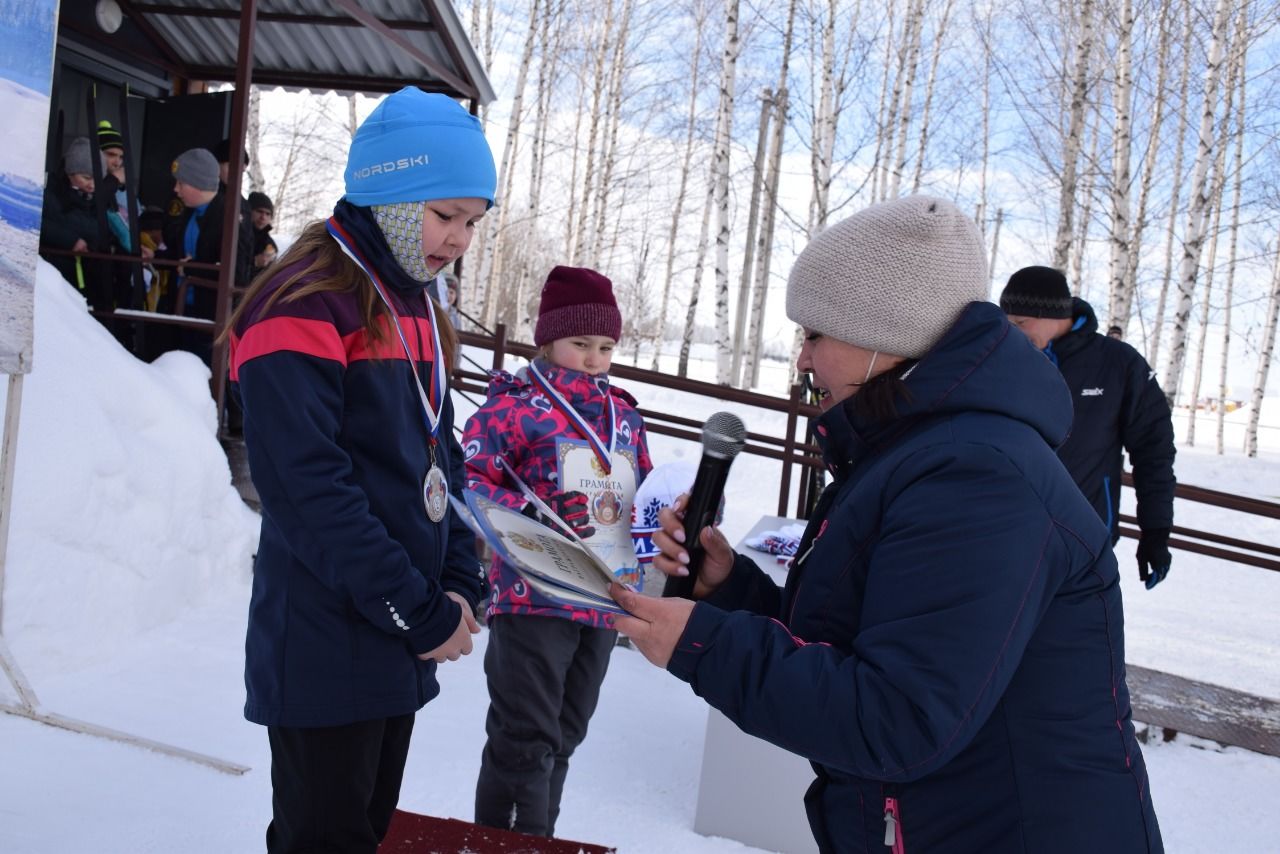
(723, 435)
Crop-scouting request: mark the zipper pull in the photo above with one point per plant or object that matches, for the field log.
(893, 827)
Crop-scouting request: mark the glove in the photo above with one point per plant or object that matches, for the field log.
(1153, 556)
(571, 507)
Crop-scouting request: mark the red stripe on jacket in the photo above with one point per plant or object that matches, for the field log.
(319, 338)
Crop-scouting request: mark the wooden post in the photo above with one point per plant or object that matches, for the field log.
(231, 199)
(789, 447)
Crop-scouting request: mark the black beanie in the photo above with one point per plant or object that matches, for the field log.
(261, 202)
(1037, 292)
(222, 151)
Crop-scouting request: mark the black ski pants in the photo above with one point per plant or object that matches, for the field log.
(334, 789)
(544, 676)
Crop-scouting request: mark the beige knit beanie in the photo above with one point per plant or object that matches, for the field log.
(893, 277)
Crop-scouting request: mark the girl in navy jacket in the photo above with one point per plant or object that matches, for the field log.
(948, 651)
(364, 580)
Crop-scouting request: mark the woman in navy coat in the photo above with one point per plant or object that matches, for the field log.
(948, 651)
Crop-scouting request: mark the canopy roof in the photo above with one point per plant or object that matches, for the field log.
(345, 45)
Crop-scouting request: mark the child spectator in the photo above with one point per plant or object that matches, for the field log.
(559, 429)
(70, 221)
(365, 581)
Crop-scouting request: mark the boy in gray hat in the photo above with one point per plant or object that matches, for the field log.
(70, 222)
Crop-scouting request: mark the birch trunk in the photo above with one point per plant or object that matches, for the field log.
(748, 258)
(1228, 292)
(1215, 203)
(913, 33)
(1086, 213)
(571, 216)
(613, 117)
(928, 97)
(885, 118)
(1153, 354)
(724, 132)
(1121, 289)
(549, 52)
(995, 241)
(491, 261)
(1194, 234)
(824, 127)
(1072, 143)
(1264, 362)
(1122, 309)
(686, 163)
(585, 218)
(764, 248)
(981, 215)
(253, 132)
(690, 320)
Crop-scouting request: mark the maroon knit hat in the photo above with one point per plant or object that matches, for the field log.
(576, 301)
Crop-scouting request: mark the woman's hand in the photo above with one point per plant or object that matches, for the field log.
(655, 625)
(459, 643)
(673, 559)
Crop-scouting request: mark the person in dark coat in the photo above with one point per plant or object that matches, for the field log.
(949, 649)
(69, 220)
(1119, 407)
(365, 580)
(195, 234)
(262, 211)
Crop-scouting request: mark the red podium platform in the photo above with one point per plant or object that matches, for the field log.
(411, 833)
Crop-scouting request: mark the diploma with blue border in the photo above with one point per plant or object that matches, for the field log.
(555, 566)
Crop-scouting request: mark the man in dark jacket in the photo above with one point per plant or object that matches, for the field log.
(195, 233)
(261, 212)
(1119, 406)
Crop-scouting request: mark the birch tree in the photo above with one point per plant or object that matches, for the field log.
(928, 98)
(690, 320)
(699, 12)
(1184, 87)
(491, 258)
(1264, 361)
(1215, 204)
(913, 34)
(1073, 140)
(768, 216)
(1121, 304)
(724, 130)
(1121, 288)
(1228, 292)
(598, 93)
(1194, 233)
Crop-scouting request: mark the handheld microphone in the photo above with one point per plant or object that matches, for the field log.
(723, 436)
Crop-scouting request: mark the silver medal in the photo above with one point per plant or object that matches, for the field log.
(435, 493)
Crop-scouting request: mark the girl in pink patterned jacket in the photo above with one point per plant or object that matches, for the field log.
(578, 443)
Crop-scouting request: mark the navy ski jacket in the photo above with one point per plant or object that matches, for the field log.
(1118, 406)
(949, 648)
(350, 578)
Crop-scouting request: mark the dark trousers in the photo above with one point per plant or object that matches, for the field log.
(334, 788)
(544, 676)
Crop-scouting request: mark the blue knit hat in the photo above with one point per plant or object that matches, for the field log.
(416, 147)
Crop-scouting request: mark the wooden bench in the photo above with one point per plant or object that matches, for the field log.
(1208, 711)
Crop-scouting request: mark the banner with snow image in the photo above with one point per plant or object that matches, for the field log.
(27, 30)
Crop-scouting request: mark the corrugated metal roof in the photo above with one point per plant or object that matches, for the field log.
(321, 44)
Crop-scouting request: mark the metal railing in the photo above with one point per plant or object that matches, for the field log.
(798, 451)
